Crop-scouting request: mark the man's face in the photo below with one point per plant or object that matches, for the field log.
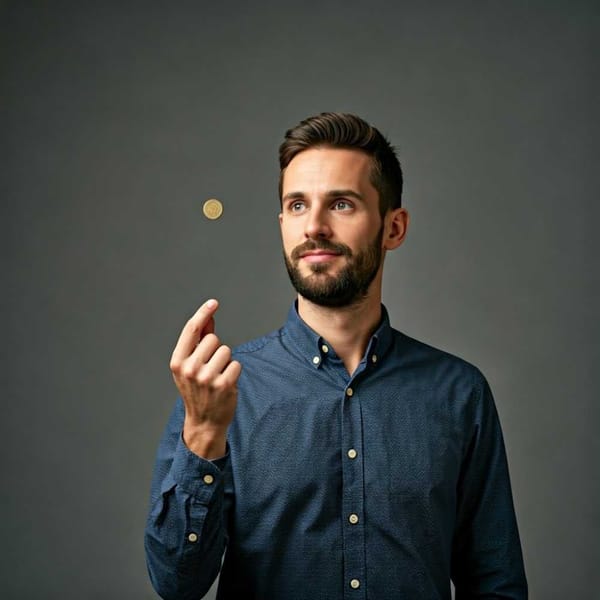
(331, 226)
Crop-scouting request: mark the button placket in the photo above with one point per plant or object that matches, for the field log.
(353, 499)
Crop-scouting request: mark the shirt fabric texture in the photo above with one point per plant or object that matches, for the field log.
(383, 484)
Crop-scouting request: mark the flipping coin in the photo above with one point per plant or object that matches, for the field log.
(212, 209)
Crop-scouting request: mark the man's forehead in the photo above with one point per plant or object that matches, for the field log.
(329, 168)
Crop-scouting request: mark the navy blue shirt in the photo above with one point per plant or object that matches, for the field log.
(383, 484)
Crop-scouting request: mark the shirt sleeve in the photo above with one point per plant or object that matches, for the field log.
(186, 528)
(487, 561)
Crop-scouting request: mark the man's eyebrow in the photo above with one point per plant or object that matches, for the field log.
(329, 194)
(338, 193)
(293, 196)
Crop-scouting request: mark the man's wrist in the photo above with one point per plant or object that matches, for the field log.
(206, 442)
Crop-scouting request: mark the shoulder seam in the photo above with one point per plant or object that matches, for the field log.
(258, 343)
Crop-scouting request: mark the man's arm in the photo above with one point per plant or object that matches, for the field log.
(186, 533)
(486, 560)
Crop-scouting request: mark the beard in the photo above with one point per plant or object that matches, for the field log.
(349, 286)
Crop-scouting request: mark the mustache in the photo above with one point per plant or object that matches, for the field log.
(311, 245)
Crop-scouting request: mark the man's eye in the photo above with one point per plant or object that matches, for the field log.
(342, 205)
(296, 206)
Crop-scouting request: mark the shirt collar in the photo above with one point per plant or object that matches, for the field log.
(315, 348)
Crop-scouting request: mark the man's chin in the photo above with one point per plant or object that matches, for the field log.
(317, 269)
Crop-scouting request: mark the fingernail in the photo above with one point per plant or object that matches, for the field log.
(211, 303)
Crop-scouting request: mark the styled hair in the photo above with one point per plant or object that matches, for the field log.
(343, 130)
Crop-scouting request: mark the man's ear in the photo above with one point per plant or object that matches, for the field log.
(395, 227)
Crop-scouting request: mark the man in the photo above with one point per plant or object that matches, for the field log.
(346, 460)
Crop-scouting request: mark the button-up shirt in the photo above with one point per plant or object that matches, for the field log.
(386, 483)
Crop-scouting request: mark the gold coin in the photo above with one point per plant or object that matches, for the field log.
(212, 209)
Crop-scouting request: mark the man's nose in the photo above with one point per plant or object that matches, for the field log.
(317, 224)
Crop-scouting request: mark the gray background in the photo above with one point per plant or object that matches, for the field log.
(119, 119)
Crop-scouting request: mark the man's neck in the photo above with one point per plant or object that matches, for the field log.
(347, 329)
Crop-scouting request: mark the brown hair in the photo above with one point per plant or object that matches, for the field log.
(342, 130)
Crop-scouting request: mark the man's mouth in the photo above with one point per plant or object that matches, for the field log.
(319, 251)
(318, 256)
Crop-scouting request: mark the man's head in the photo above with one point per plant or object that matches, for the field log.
(338, 211)
(342, 130)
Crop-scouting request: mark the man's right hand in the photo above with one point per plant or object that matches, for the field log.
(207, 381)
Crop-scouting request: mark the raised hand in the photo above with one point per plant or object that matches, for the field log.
(207, 381)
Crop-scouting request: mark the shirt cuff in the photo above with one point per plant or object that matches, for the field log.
(196, 475)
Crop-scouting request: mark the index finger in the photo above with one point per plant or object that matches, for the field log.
(195, 329)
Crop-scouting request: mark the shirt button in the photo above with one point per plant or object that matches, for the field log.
(349, 392)
(374, 358)
(316, 360)
(354, 584)
(352, 453)
(325, 348)
(193, 537)
(208, 479)
(353, 518)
